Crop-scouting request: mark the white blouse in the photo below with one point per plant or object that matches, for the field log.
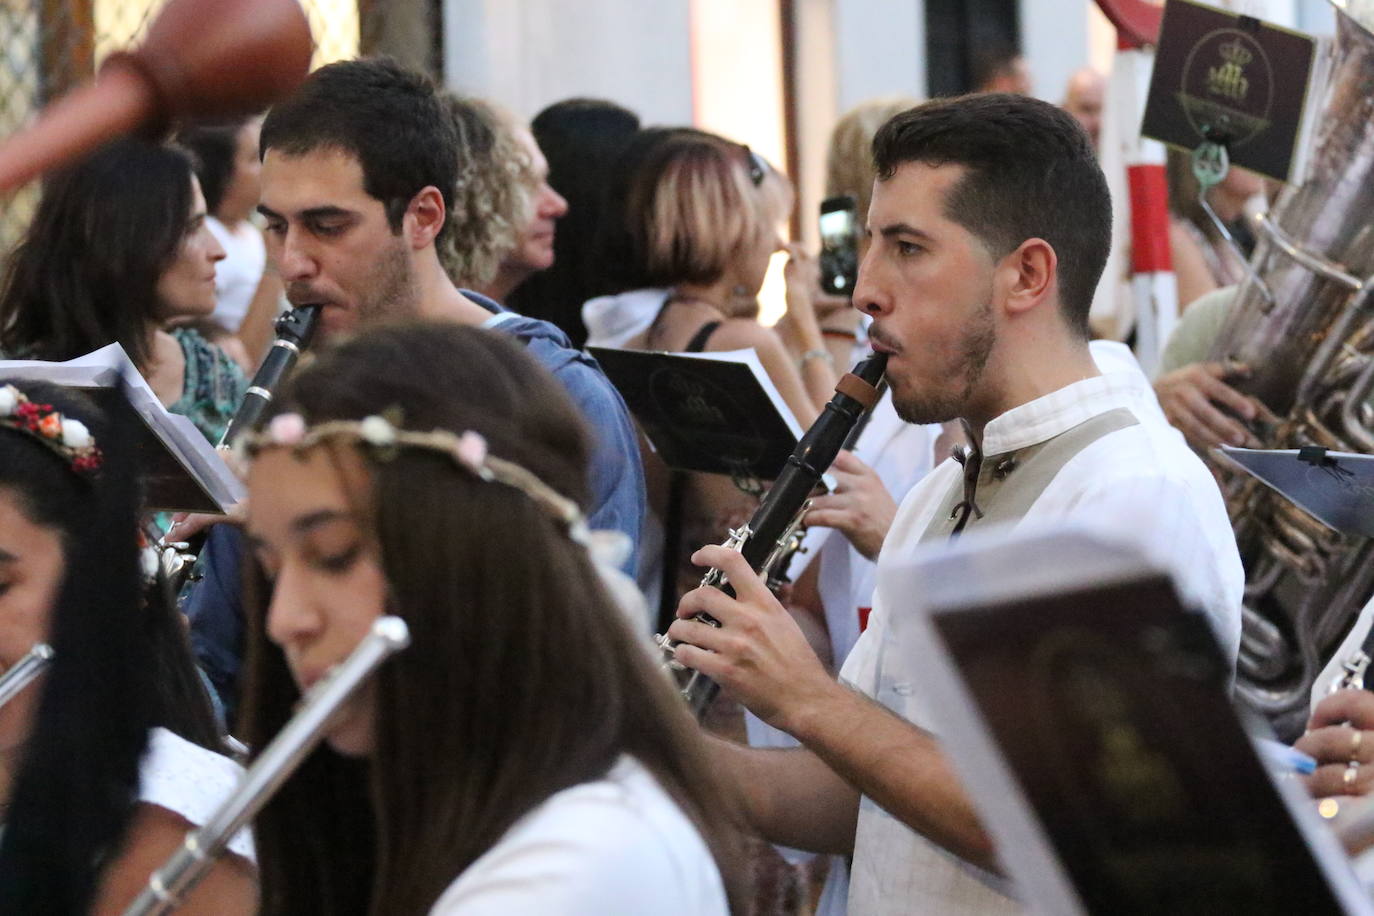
(190, 781)
(619, 846)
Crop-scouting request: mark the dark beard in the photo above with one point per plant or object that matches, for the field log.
(393, 293)
(920, 407)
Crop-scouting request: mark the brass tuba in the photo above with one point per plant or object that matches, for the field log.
(1309, 342)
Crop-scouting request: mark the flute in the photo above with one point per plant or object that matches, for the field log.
(24, 671)
(767, 536)
(168, 886)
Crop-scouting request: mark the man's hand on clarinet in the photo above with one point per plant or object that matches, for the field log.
(860, 507)
(758, 653)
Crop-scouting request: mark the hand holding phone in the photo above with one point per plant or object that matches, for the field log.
(839, 245)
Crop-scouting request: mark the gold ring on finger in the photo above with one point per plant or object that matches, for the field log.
(1352, 770)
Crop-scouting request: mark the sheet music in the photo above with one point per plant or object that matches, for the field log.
(721, 415)
(102, 369)
(1336, 488)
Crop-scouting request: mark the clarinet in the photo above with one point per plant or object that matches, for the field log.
(294, 330)
(24, 671)
(168, 886)
(769, 534)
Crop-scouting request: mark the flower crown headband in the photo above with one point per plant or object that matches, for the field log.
(468, 451)
(68, 438)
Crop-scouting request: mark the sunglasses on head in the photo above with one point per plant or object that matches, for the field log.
(757, 165)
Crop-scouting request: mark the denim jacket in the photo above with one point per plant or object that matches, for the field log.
(215, 606)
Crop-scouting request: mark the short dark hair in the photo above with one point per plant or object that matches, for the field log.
(392, 119)
(86, 272)
(213, 147)
(1031, 173)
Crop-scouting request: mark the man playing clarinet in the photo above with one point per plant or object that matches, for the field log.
(990, 225)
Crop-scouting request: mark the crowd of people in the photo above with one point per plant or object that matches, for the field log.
(450, 454)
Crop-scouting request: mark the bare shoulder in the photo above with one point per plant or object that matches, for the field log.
(742, 333)
(229, 889)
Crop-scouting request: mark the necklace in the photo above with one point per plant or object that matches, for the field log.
(688, 299)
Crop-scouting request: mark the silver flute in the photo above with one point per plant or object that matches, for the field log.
(169, 885)
(13, 681)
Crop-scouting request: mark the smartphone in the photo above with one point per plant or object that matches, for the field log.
(839, 245)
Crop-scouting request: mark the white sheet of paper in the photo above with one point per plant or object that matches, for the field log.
(102, 369)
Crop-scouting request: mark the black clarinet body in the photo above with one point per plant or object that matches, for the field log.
(767, 535)
(294, 328)
(180, 560)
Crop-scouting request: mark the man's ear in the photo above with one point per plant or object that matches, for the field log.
(1028, 276)
(424, 217)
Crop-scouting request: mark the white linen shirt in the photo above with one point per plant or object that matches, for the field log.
(1140, 483)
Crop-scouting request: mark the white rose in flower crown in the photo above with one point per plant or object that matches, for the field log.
(148, 560)
(377, 431)
(286, 429)
(74, 433)
(9, 399)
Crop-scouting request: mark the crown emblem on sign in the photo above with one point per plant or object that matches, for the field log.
(1233, 52)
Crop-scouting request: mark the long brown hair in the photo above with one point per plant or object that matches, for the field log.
(86, 273)
(522, 677)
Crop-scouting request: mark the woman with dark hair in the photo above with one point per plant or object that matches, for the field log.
(247, 293)
(523, 755)
(118, 252)
(82, 822)
(581, 139)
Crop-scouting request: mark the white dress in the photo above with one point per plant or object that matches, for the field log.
(619, 846)
(190, 781)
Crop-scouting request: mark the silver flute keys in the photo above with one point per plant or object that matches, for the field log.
(24, 671)
(169, 885)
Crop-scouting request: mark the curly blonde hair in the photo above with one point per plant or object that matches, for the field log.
(849, 161)
(492, 200)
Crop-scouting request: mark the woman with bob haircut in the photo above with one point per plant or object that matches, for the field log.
(83, 822)
(689, 231)
(524, 755)
(119, 252)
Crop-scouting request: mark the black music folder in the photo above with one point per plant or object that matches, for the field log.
(712, 412)
(1335, 488)
(180, 470)
(1234, 80)
(1088, 714)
